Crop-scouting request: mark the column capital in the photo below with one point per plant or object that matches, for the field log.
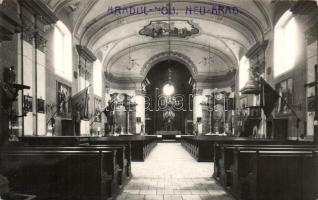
(28, 34)
(40, 41)
(140, 92)
(197, 92)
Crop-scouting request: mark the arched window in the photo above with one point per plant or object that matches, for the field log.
(285, 44)
(97, 76)
(243, 71)
(62, 51)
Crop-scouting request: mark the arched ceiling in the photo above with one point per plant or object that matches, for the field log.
(116, 39)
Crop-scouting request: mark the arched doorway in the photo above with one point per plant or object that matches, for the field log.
(169, 112)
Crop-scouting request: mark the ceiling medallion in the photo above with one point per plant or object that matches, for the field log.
(161, 28)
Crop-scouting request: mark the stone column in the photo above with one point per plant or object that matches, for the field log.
(140, 109)
(197, 110)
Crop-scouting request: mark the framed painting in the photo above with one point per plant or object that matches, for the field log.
(41, 107)
(63, 99)
(285, 91)
(311, 104)
(27, 103)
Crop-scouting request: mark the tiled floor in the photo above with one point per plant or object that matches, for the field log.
(171, 173)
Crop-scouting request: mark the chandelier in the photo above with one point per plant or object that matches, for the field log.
(168, 89)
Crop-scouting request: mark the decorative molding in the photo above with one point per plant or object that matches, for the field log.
(38, 8)
(140, 92)
(163, 28)
(311, 34)
(247, 24)
(9, 20)
(173, 55)
(28, 34)
(256, 49)
(229, 60)
(260, 5)
(40, 42)
(84, 72)
(304, 7)
(197, 92)
(85, 53)
(123, 79)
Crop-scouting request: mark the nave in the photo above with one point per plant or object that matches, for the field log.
(89, 88)
(171, 173)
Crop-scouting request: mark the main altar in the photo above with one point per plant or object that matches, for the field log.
(168, 134)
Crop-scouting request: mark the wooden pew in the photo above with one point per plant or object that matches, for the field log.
(223, 157)
(259, 173)
(52, 140)
(140, 146)
(54, 174)
(202, 147)
(117, 169)
(121, 158)
(70, 141)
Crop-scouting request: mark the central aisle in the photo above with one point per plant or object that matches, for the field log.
(171, 173)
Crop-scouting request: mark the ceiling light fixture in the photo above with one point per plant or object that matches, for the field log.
(168, 89)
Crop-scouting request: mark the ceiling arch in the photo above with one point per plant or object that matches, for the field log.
(115, 37)
(220, 64)
(169, 56)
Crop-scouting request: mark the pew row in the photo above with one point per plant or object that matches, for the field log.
(64, 141)
(202, 147)
(140, 146)
(267, 172)
(115, 167)
(55, 174)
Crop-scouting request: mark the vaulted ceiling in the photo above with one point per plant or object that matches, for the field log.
(116, 40)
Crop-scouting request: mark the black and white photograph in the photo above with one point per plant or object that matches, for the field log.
(158, 100)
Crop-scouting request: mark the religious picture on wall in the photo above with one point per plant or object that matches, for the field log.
(311, 104)
(97, 111)
(63, 95)
(285, 91)
(27, 104)
(41, 103)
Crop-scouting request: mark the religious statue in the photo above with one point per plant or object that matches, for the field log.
(168, 118)
(109, 112)
(9, 90)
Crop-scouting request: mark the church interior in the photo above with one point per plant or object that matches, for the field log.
(171, 99)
